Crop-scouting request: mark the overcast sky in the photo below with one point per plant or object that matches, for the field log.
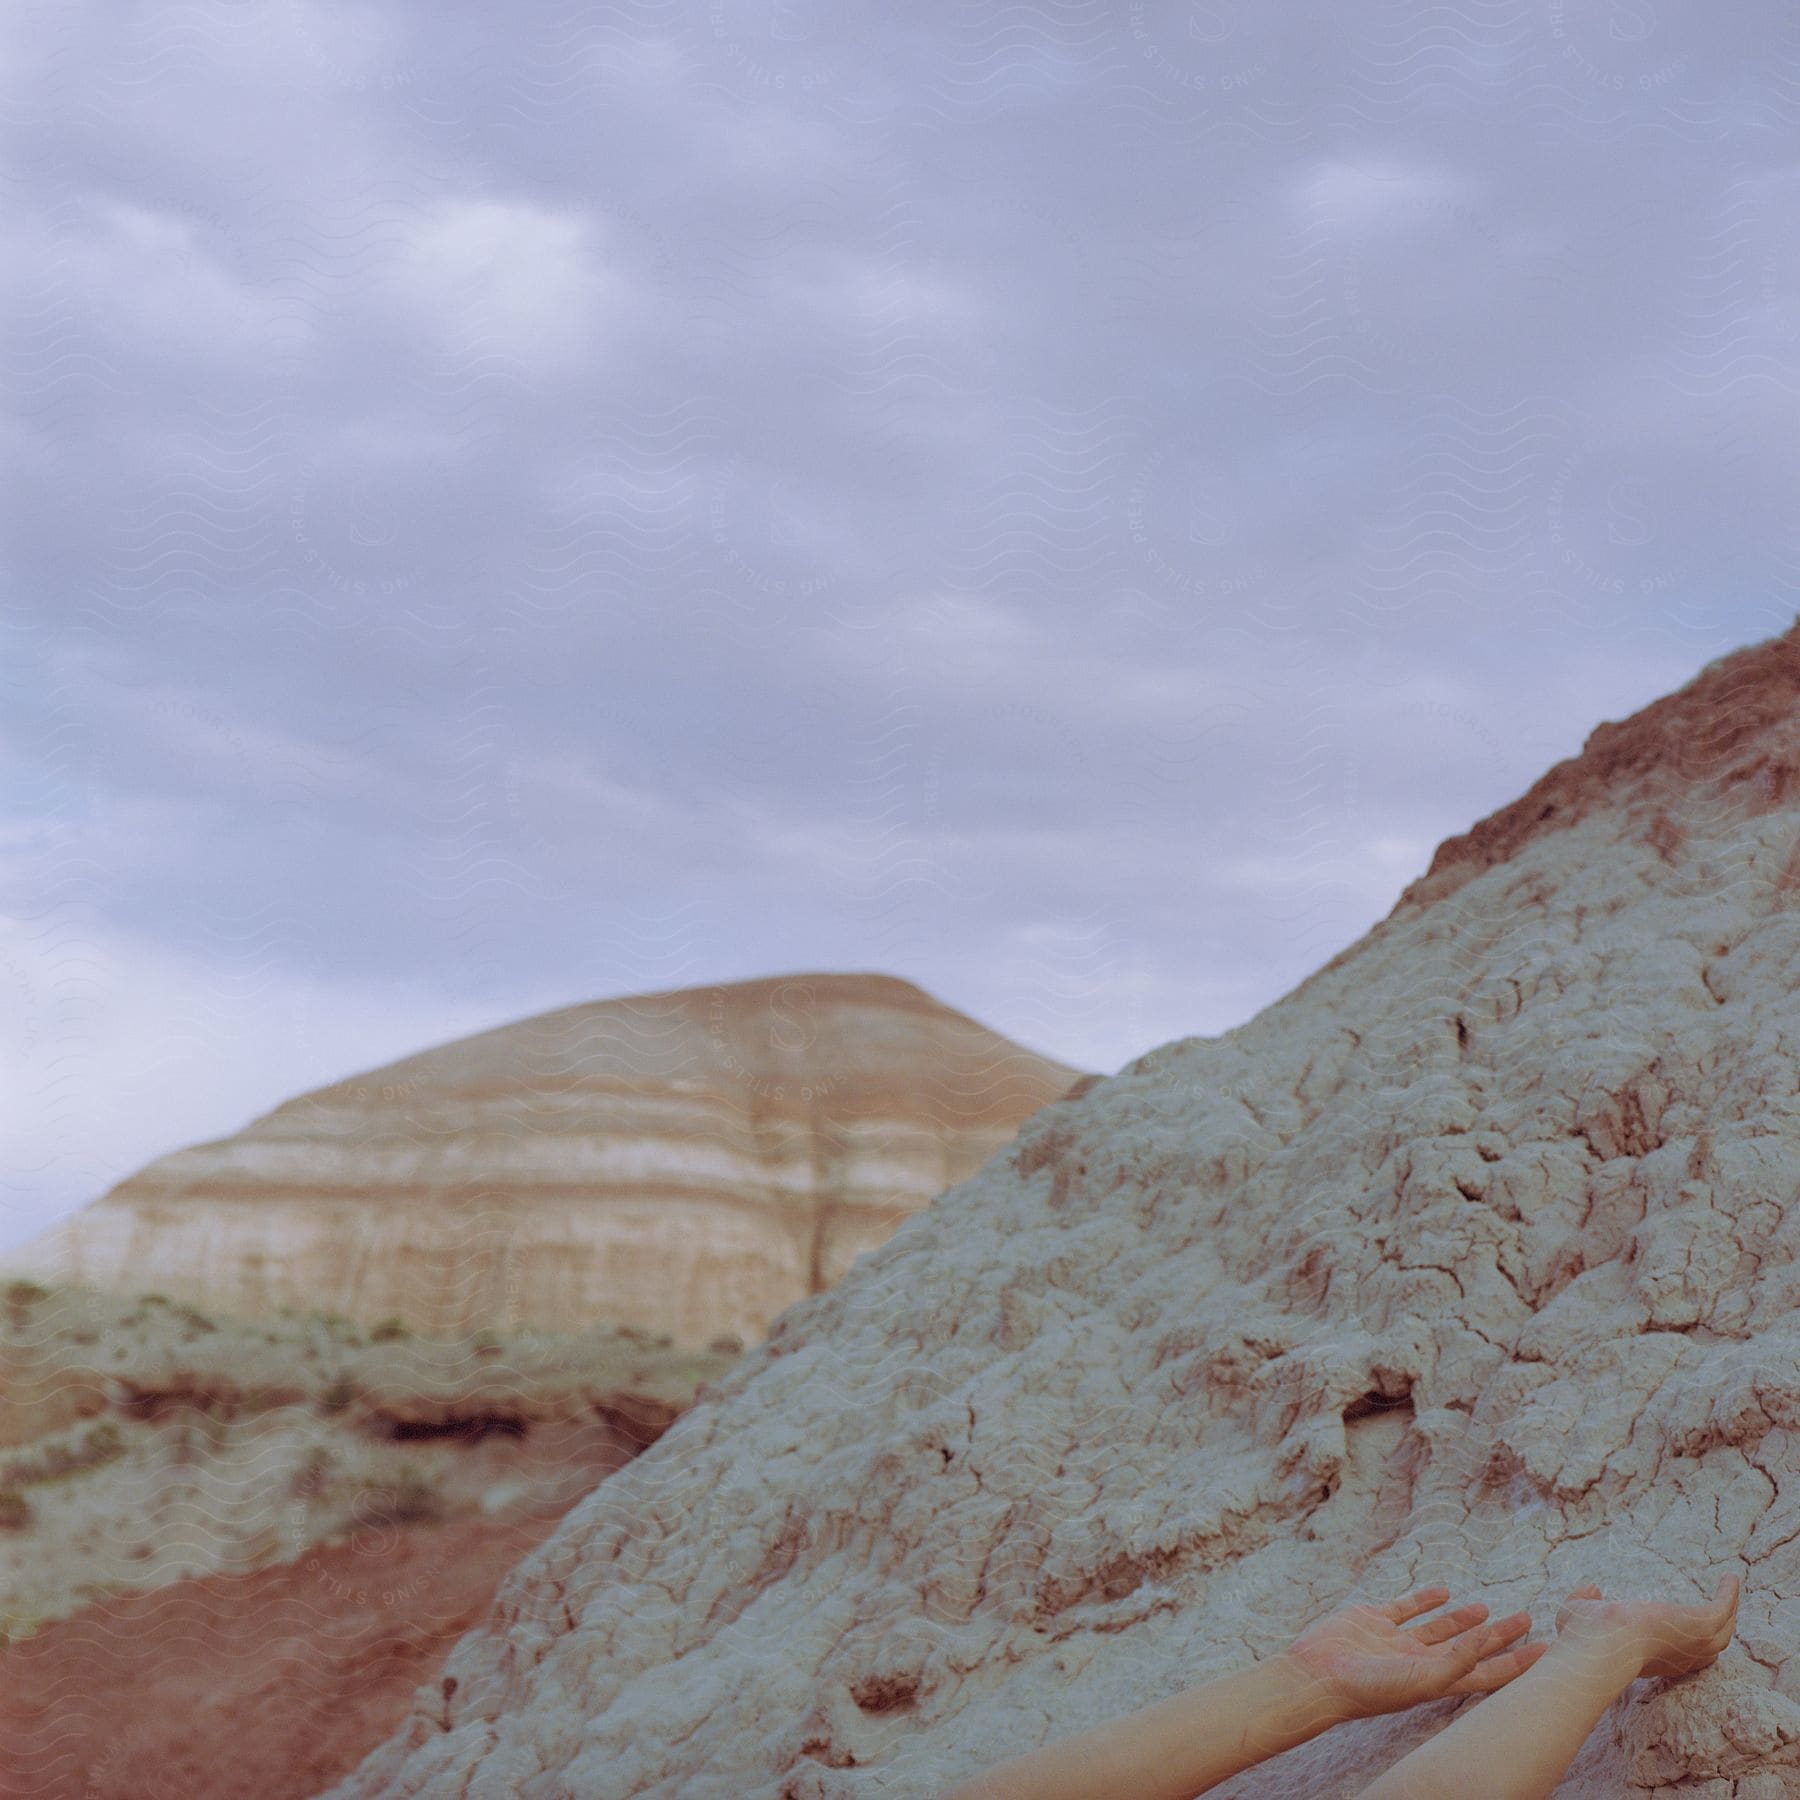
(1068, 504)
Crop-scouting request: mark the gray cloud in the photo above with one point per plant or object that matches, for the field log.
(1066, 505)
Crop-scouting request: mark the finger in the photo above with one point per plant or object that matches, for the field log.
(1496, 1671)
(1446, 1625)
(1719, 1608)
(1409, 1606)
(1492, 1641)
(1502, 1632)
(1589, 1590)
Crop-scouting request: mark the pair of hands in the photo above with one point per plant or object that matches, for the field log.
(1369, 1663)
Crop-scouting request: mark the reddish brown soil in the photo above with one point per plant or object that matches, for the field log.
(1729, 730)
(272, 1684)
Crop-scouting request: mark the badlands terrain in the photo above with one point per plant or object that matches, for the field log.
(264, 1536)
(688, 1163)
(264, 1527)
(1472, 1259)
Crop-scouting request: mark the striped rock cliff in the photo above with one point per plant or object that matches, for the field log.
(1472, 1259)
(688, 1163)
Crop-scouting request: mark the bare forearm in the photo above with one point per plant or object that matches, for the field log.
(1175, 1748)
(1517, 1744)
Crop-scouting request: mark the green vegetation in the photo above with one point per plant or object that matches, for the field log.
(100, 1444)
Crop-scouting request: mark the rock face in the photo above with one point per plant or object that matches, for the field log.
(688, 1163)
(1472, 1259)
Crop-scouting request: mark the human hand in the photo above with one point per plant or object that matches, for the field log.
(1368, 1664)
(1667, 1638)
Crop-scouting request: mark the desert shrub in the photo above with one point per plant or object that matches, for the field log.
(337, 1396)
(102, 1443)
(310, 1478)
(409, 1499)
(24, 1293)
(15, 1510)
(389, 1331)
(416, 1498)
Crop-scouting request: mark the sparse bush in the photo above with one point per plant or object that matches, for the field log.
(104, 1442)
(337, 1396)
(24, 1293)
(389, 1331)
(417, 1498)
(310, 1478)
(409, 1499)
(15, 1510)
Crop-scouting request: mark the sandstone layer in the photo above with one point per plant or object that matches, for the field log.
(1472, 1259)
(687, 1162)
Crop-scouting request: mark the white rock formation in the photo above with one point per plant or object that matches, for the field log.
(687, 1162)
(1471, 1259)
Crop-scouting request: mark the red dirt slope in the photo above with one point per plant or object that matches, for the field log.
(273, 1684)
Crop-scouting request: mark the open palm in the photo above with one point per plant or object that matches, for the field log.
(1367, 1658)
(1673, 1640)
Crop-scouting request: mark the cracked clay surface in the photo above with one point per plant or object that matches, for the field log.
(1470, 1260)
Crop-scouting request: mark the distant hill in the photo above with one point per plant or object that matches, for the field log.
(688, 1162)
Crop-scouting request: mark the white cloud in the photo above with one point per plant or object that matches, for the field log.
(115, 1050)
(151, 280)
(1380, 194)
(541, 281)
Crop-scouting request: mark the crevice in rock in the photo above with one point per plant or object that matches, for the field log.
(1375, 1401)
